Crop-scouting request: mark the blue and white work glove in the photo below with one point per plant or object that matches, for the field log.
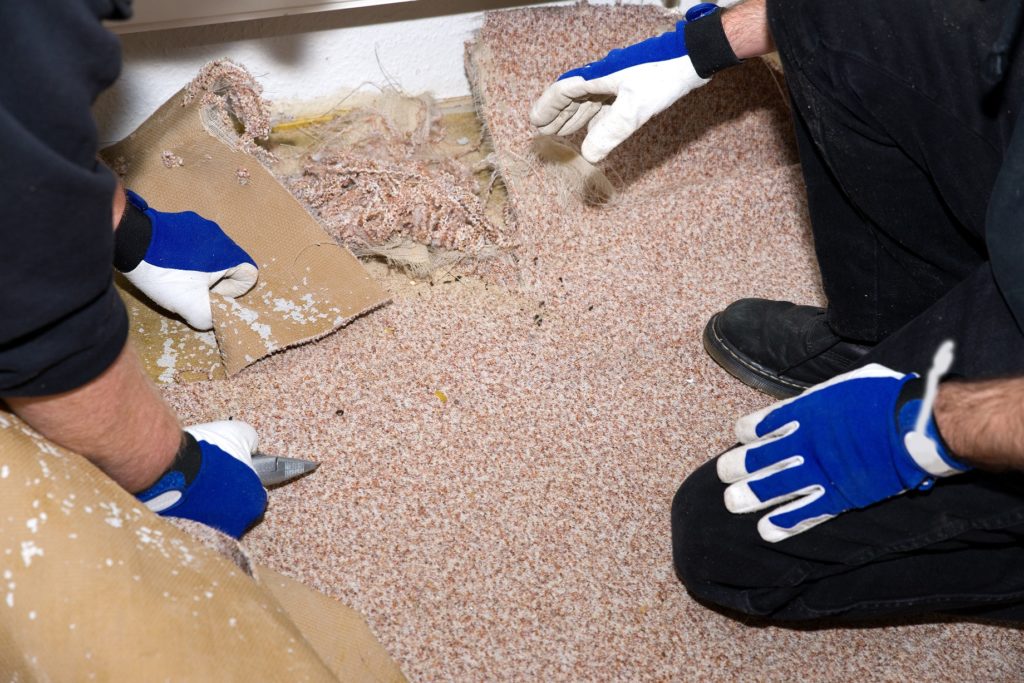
(176, 259)
(620, 93)
(847, 443)
(212, 480)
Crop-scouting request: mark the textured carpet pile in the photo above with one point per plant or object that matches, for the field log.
(499, 463)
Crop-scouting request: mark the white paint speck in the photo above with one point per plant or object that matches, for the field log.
(29, 550)
(168, 361)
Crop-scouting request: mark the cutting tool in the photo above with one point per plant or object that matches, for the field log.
(275, 470)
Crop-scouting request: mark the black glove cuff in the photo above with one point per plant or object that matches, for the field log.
(707, 45)
(189, 458)
(132, 238)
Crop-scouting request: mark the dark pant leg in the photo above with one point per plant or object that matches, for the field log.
(900, 146)
(61, 321)
(898, 203)
(958, 547)
(989, 344)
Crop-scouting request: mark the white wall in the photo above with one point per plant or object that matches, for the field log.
(416, 45)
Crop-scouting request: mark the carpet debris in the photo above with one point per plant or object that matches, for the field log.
(171, 160)
(380, 185)
(234, 100)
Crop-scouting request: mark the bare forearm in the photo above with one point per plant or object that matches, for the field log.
(120, 202)
(983, 422)
(118, 421)
(746, 27)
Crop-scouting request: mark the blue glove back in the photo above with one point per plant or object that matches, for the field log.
(186, 257)
(215, 485)
(187, 241)
(845, 444)
(661, 48)
(671, 45)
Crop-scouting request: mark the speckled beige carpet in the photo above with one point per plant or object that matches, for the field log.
(516, 526)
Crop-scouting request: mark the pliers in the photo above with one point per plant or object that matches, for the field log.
(275, 470)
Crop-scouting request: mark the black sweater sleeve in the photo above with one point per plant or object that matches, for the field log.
(61, 321)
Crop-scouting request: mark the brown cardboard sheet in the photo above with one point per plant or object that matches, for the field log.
(180, 160)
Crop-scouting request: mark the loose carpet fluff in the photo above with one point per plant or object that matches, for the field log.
(379, 182)
(571, 173)
(234, 107)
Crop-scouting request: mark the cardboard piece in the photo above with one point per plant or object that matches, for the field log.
(309, 286)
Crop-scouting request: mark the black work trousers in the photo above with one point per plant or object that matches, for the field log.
(901, 141)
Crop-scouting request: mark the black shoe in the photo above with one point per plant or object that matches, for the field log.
(778, 347)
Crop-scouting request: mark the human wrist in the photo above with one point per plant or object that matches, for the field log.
(706, 42)
(927, 447)
(746, 28)
(983, 421)
(118, 421)
(186, 460)
(945, 414)
(119, 204)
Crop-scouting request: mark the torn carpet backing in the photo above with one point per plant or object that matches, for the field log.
(187, 156)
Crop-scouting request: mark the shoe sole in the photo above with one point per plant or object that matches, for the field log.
(745, 370)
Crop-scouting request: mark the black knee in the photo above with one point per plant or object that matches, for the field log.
(719, 556)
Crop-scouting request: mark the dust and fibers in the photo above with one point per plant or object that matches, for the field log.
(234, 110)
(375, 177)
(379, 177)
(572, 173)
(380, 181)
(171, 160)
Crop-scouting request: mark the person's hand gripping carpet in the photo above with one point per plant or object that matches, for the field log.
(177, 259)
